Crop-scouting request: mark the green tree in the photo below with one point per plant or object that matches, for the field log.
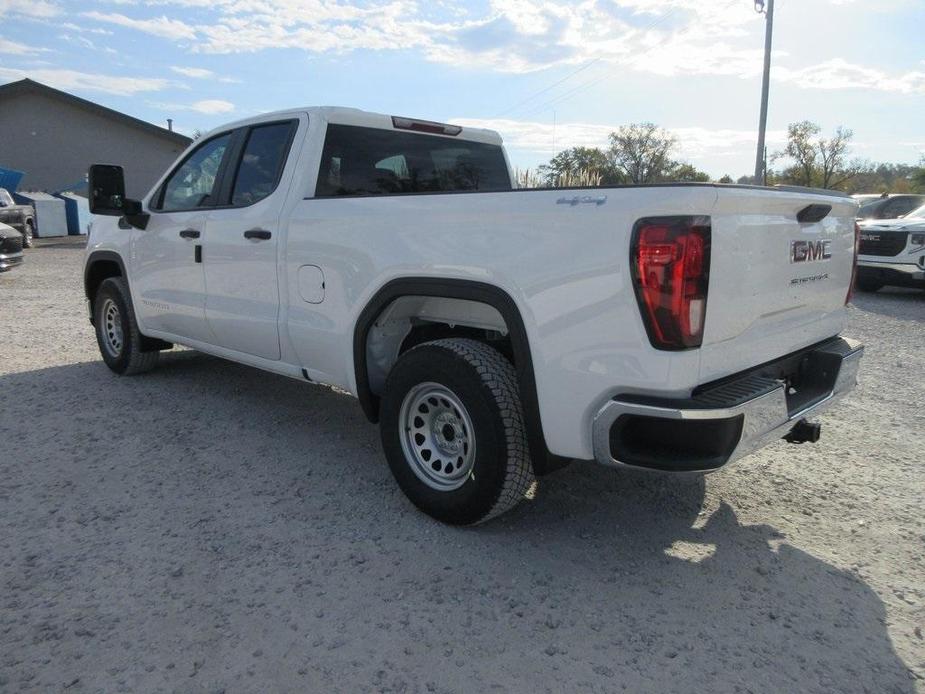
(885, 178)
(817, 161)
(643, 152)
(918, 178)
(725, 179)
(687, 173)
(578, 162)
(638, 153)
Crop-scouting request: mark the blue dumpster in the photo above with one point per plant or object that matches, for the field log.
(50, 218)
(10, 178)
(77, 212)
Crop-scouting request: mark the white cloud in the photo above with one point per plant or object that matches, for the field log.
(200, 73)
(194, 72)
(71, 80)
(38, 9)
(840, 74)
(84, 42)
(14, 48)
(163, 27)
(207, 106)
(84, 28)
(663, 37)
(212, 106)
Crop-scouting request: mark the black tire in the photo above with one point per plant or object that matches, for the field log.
(28, 233)
(866, 284)
(486, 385)
(113, 314)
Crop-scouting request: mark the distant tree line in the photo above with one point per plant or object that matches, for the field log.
(638, 153)
(645, 153)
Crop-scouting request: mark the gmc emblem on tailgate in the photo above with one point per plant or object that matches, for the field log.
(806, 251)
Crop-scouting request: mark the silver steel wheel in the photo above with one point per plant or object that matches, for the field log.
(112, 328)
(437, 436)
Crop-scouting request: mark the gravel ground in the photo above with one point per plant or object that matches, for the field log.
(208, 527)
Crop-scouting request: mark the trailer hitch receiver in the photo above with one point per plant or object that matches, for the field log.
(804, 432)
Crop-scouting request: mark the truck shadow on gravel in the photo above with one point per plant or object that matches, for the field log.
(894, 302)
(249, 532)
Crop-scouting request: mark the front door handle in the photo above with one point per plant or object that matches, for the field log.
(258, 234)
(189, 234)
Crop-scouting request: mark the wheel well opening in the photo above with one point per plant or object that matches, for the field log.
(96, 273)
(409, 321)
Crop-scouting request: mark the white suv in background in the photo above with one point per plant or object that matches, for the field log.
(892, 252)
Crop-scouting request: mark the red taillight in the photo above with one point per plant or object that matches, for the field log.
(854, 263)
(670, 259)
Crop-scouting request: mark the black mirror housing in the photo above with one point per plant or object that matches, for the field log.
(106, 184)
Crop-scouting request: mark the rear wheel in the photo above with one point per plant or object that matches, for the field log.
(453, 432)
(117, 333)
(866, 284)
(28, 233)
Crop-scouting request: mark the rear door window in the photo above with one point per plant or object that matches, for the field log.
(372, 161)
(262, 162)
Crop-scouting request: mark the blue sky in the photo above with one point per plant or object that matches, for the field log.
(547, 74)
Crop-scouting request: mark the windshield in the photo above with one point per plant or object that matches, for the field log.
(917, 212)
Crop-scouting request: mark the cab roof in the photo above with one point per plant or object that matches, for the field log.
(341, 115)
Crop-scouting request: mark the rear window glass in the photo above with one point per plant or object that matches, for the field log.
(371, 161)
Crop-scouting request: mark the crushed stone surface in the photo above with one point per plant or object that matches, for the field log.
(208, 527)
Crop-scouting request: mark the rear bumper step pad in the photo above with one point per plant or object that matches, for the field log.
(723, 422)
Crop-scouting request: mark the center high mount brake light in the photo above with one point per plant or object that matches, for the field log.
(425, 126)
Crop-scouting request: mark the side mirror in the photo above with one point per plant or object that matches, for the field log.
(106, 183)
(107, 190)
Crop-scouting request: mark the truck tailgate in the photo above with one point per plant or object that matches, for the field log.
(776, 284)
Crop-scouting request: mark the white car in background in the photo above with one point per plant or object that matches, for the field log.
(892, 252)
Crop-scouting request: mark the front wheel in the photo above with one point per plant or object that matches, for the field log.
(117, 333)
(453, 432)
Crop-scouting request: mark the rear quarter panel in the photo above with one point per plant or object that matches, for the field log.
(566, 268)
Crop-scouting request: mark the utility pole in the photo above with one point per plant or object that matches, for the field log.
(761, 173)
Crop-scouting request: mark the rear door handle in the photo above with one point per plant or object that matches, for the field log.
(257, 234)
(189, 234)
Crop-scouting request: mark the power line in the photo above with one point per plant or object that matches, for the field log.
(584, 67)
(551, 86)
(596, 80)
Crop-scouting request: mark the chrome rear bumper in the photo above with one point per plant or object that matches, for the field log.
(726, 422)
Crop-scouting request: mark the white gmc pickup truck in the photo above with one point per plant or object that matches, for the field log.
(494, 333)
